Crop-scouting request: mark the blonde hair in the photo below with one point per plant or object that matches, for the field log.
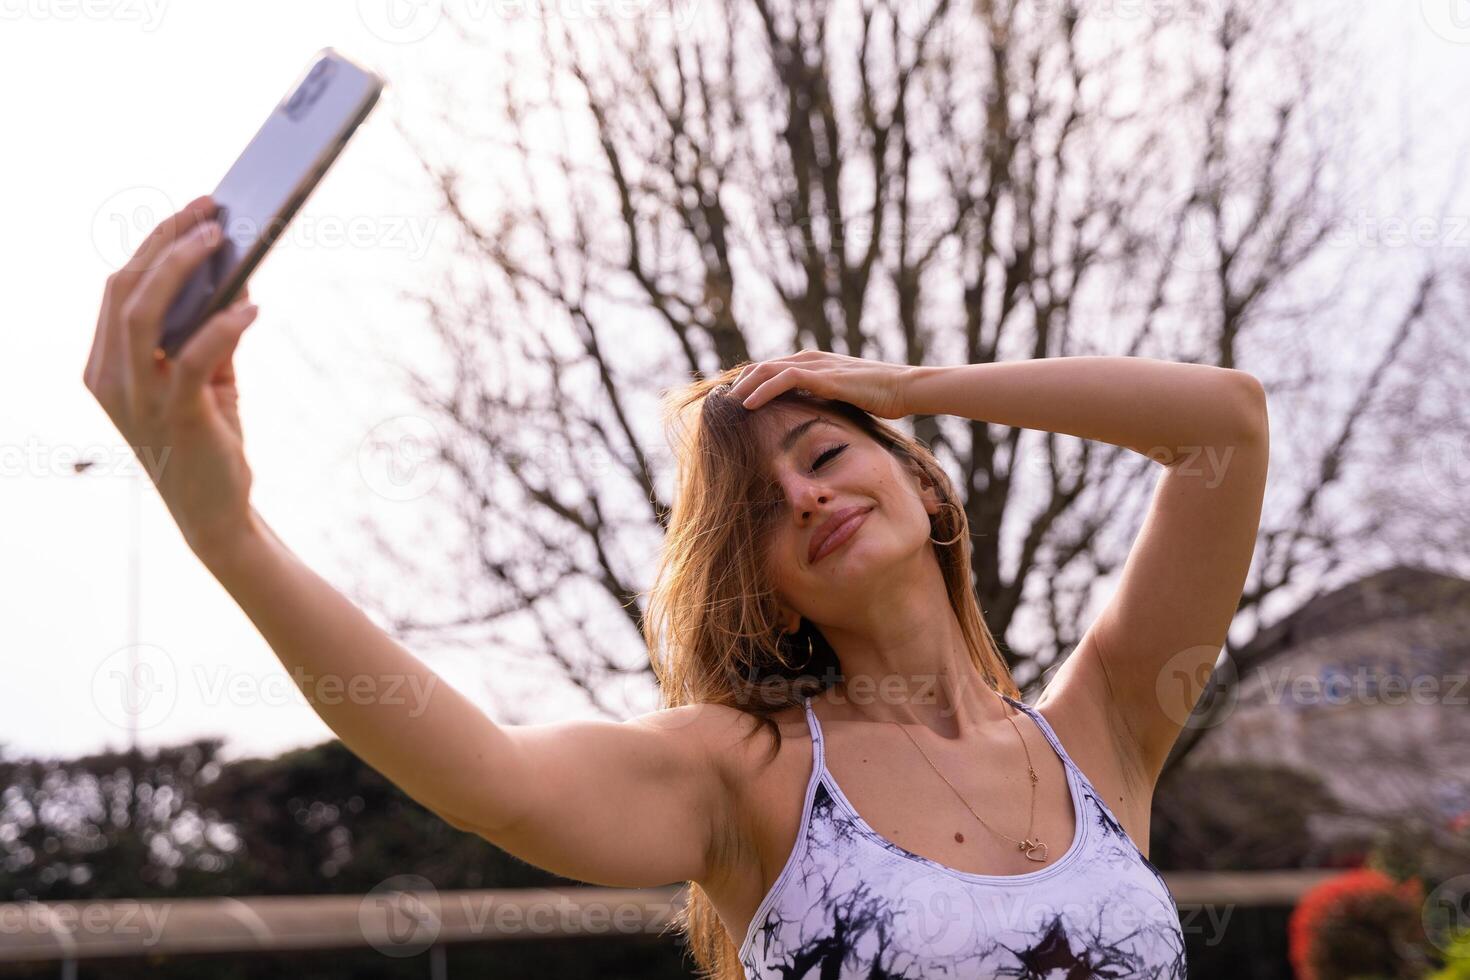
(712, 618)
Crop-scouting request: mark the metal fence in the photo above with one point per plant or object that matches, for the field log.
(403, 917)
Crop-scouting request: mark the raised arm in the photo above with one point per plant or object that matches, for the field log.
(614, 804)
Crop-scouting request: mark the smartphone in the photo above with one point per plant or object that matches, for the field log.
(269, 182)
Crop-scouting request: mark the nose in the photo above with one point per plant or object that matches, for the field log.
(808, 498)
(807, 513)
(806, 494)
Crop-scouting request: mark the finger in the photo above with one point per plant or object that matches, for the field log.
(127, 280)
(144, 310)
(785, 380)
(164, 234)
(209, 349)
(224, 371)
(102, 368)
(749, 378)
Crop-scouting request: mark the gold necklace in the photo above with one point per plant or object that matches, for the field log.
(1032, 847)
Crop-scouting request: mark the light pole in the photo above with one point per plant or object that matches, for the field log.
(132, 690)
(135, 595)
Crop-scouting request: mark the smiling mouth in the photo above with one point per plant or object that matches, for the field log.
(843, 525)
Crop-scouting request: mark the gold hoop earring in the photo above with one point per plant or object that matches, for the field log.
(809, 652)
(960, 520)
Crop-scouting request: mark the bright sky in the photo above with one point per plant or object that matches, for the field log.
(118, 112)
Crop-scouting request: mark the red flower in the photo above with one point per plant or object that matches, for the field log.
(1356, 916)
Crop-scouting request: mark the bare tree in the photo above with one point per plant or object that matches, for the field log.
(927, 183)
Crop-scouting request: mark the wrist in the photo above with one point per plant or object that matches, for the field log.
(917, 390)
(227, 549)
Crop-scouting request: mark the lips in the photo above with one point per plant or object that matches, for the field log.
(835, 530)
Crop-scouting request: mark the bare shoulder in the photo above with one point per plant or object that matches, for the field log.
(757, 783)
(736, 746)
(730, 736)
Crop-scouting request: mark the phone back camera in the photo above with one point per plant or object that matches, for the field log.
(310, 89)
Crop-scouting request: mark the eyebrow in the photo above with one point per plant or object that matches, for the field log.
(798, 430)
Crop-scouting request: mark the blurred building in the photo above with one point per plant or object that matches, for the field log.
(1366, 688)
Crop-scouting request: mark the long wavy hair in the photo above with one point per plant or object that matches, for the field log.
(712, 623)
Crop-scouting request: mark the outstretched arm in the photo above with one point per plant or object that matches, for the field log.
(617, 804)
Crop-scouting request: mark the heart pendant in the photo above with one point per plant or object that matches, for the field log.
(1035, 849)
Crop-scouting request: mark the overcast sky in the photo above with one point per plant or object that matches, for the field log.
(118, 112)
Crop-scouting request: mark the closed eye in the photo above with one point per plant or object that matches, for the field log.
(827, 455)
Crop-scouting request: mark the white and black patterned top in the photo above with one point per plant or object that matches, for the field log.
(849, 903)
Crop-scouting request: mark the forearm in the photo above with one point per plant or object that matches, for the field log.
(1163, 409)
(385, 704)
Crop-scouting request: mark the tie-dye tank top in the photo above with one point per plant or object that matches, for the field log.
(849, 903)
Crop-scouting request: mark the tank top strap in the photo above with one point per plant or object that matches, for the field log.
(815, 727)
(1051, 736)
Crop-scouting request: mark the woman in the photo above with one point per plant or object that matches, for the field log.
(845, 773)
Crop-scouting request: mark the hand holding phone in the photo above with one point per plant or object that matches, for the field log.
(179, 415)
(268, 183)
